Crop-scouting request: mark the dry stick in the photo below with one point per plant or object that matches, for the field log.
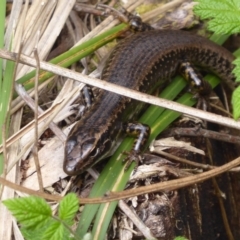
(189, 162)
(124, 91)
(29, 101)
(47, 117)
(170, 185)
(198, 131)
(42, 117)
(224, 111)
(182, 160)
(87, 8)
(35, 146)
(130, 213)
(157, 187)
(162, 9)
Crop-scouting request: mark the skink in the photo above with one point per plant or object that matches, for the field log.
(142, 62)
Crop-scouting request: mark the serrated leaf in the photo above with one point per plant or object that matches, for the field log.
(56, 231)
(211, 9)
(68, 207)
(236, 103)
(236, 70)
(225, 15)
(31, 212)
(36, 234)
(228, 24)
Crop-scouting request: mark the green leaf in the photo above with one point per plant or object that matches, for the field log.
(228, 24)
(225, 15)
(68, 207)
(2, 30)
(236, 70)
(214, 8)
(36, 234)
(225, 18)
(56, 231)
(31, 212)
(236, 103)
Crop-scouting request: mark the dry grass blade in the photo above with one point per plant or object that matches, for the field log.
(25, 21)
(40, 23)
(46, 18)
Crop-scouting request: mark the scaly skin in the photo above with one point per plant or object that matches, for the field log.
(143, 62)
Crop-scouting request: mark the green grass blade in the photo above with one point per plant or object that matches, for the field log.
(2, 27)
(5, 102)
(158, 119)
(2, 87)
(75, 54)
(115, 168)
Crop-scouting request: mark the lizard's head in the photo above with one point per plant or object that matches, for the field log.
(83, 149)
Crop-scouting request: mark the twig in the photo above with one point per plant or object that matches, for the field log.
(200, 132)
(169, 185)
(125, 91)
(35, 147)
